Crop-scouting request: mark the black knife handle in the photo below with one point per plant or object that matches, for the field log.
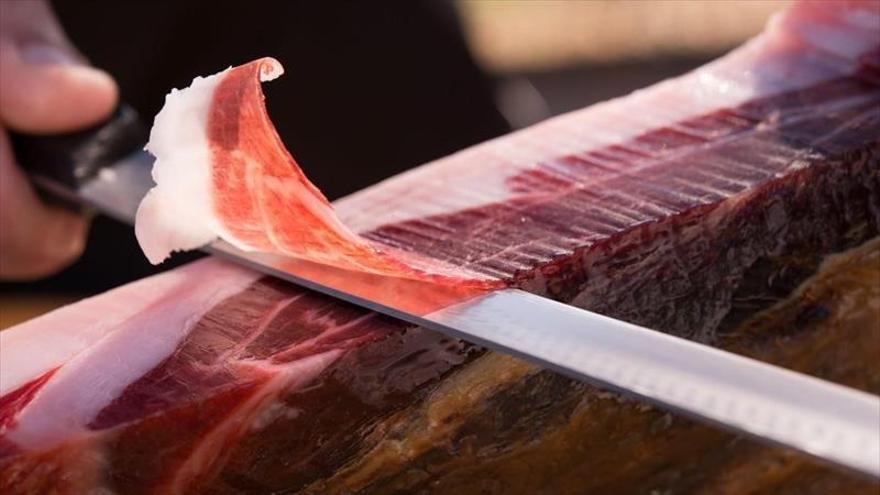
(62, 162)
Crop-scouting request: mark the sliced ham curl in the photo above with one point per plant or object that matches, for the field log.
(222, 172)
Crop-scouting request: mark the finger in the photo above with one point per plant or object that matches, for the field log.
(35, 239)
(41, 93)
(45, 85)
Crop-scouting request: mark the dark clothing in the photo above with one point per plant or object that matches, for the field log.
(370, 89)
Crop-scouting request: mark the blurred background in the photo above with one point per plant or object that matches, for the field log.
(373, 89)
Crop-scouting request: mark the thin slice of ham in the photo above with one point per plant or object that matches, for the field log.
(221, 171)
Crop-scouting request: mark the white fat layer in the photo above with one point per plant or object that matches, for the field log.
(98, 374)
(178, 214)
(32, 348)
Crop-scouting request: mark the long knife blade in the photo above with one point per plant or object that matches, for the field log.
(831, 422)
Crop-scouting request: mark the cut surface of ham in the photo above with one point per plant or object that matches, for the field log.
(701, 206)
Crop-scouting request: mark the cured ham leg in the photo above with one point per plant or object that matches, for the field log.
(706, 206)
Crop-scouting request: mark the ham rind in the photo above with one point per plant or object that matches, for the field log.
(696, 207)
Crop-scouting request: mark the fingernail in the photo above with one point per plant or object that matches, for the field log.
(40, 53)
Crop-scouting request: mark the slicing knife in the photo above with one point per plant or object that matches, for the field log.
(104, 168)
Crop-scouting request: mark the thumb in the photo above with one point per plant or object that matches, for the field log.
(45, 86)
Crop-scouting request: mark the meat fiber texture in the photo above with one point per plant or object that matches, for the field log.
(682, 207)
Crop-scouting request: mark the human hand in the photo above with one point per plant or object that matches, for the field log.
(46, 87)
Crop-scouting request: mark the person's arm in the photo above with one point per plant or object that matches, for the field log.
(46, 87)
